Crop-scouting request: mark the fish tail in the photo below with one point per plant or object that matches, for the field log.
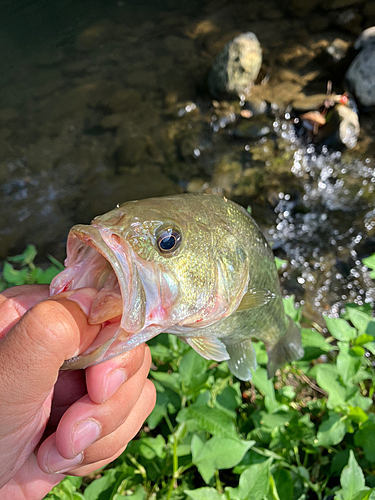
(287, 348)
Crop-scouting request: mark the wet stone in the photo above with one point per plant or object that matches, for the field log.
(237, 66)
(338, 49)
(342, 130)
(361, 75)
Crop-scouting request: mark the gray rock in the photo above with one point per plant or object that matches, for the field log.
(237, 66)
(365, 38)
(361, 75)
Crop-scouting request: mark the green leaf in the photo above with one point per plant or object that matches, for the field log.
(148, 447)
(291, 310)
(370, 263)
(12, 276)
(56, 263)
(331, 431)
(340, 329)
(348, 363)
(101, 488)
(253, 484)
(170, 380)
(26, 257)
(360, 320)
(363, 339)
(365, 494)
(328, 379)
(139, 494)
(352, 479)
(205, 494)
(365, 437)
(357, 414)
(229, 400)
(280, 263)
(193, 369)
(212, 420)
(339, 461)
(275, 420)
(284, 483)
(45, 277)
(217, 453)
(265, 386)
(314, 344)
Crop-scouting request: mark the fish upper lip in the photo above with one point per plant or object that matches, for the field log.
(92, 236)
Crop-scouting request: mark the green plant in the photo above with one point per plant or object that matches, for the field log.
(21, 270)
(307, 434)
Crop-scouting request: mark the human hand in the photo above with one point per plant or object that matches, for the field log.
(69, 422)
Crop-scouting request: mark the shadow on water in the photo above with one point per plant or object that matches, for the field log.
(106, 101)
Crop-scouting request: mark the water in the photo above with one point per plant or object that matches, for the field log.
(106, 101)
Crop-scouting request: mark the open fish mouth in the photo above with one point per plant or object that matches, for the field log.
(99, 258)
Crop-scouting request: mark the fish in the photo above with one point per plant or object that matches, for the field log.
(192, 265)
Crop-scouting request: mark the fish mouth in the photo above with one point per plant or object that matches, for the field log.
(99, 258)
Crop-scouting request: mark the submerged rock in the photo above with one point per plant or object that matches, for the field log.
(342, 130)
(237, 66)
(361, 73)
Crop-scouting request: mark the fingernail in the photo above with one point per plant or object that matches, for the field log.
(112, 382)
(84, 298)
(56, 464)
(84, 434)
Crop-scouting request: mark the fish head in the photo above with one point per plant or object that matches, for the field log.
(159, 264)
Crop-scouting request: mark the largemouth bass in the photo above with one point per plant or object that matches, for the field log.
(196, 266)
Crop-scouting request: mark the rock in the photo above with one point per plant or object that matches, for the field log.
(342, 130)
(255, 106)
(365, 38)
(237, 66)
(338, 49)
(361, 75)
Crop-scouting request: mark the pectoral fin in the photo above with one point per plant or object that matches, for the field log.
(255, 297)
(208, 347)
(242, 358)
(287, 348)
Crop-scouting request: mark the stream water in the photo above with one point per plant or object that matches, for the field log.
(106, 101)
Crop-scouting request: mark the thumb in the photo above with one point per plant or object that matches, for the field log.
(35, 348)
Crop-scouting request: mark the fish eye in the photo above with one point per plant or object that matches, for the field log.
(168, 239)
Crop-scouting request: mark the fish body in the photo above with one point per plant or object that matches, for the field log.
(196, 266)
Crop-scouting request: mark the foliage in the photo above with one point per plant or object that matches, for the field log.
(307, 434)
(21, 270)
